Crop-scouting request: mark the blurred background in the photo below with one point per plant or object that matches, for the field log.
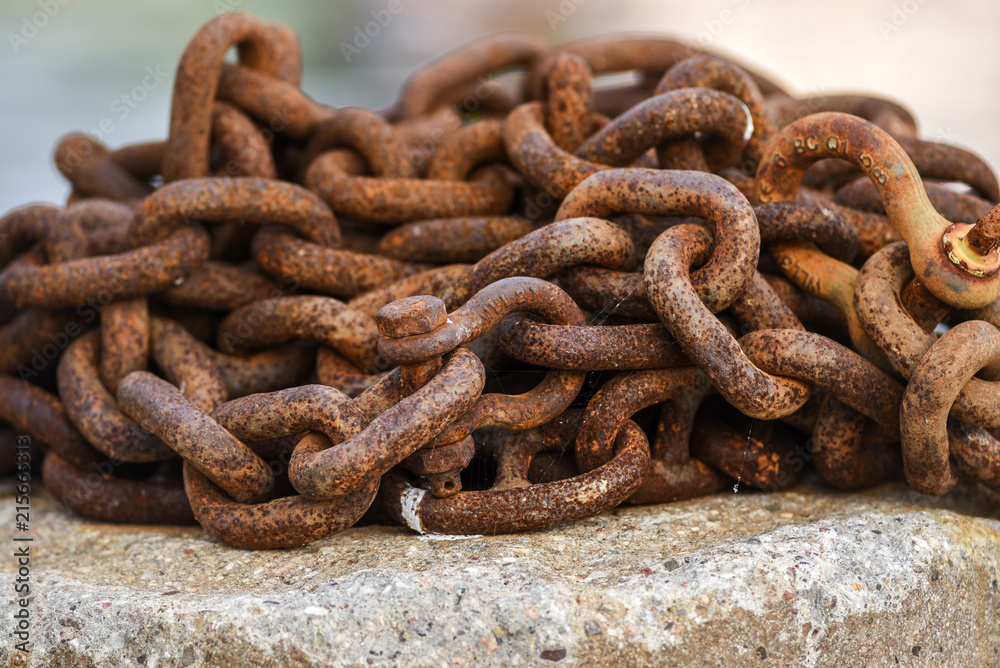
(71, 65)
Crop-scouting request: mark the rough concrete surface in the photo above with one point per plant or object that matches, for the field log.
(803, 577)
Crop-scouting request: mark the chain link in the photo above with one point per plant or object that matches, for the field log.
(492, 309)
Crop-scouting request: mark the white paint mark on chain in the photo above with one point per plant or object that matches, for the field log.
(409, 507)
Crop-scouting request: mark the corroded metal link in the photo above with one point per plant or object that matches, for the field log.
(423, 92)
(266, 371)
(324, 320)
(590, 348)
(829, 174)
(562, 244)
(673, 474)
(276, 418)
(244, 148)
(143, 160)
(683, 153)
(319, 471)
(537, 157)
(217, 286)
(606, 292)
(620, 53)
(367, 133)
(278, 104)
(720, 74)
(945, 263)
(186, 154)
(507, 510)
(760, 307)
(886, 114)
(284, 522)
(827, 364)
(431, 282)
(833, 281)
(758, 457)
(702, 337)
(111, 499)
(163, 410)
(644, 229)
(934, 385)
(125, 337)
(439, 469)
(134, 273)
(62, 237)
(807, 221)
(927, 310)
(31, 410)
(422, 136)
(330, 271)
(31, 340)
(291, 411)
(569, 101)
(842, 454)
(960, 207)
(466, 148)
(485, 97)
(186, 364)
(480, 313)
(401, 200)
(283, 59)
(240, 199)
(616, 100)
(88, 165)
(668, 116)
(679, 193)
(448, 240)
(822, 316)
(976, 452)
(902, 340)
(334, 370)
(935, 160)
(95, 411)
(9, 313)
(874, 230)
(990, 314)
(384, 394)
(878, 303)
(106, 224)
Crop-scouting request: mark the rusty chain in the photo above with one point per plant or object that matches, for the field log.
(490, 309)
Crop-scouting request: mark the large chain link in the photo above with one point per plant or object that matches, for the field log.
(488, 309)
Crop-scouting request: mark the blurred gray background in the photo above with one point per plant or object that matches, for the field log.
(64, 67)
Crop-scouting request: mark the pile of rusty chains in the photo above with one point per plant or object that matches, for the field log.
(753, 291)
